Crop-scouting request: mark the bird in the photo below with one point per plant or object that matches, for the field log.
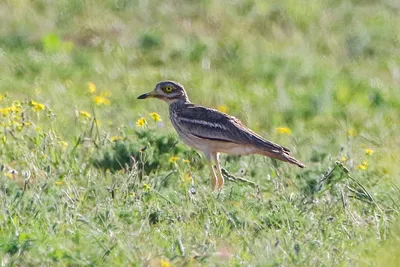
(213, 132)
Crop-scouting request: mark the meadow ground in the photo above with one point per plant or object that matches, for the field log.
(92, 176)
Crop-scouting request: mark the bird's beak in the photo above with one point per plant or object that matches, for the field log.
(151, 94)
(144, 96)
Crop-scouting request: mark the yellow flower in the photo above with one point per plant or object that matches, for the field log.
(101, 100)
(4, 111)
(15, 108)
(283, 130)
(155, 116)
(343, 159)
(363, 166)
(85, 114)
(368, 151)
(352, 132)
(1, 97)
(146, 187)
(186, 161)
(187, 178)
(116, 137)
(92, 87)
(173, 159)
(59, 182)
(222, 108)
(165, 263)
(36, 106)
(141, 122)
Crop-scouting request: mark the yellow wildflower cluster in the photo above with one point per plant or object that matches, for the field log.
(116, 138)
(187, 178)
(92, 88)
(223, 108)
(165, 263)
(155, 116)
(101, 99)
(173, 159)
(36, 106)
(85, 114)
(141, 122)
(283, 130)
(146, 187)
(16, 115)
(368, 151)
(9, 110)
(13, 118)
(363, 166)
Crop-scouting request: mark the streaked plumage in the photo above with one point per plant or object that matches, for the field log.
(212, 131)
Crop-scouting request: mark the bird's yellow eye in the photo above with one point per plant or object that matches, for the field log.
(168, 89)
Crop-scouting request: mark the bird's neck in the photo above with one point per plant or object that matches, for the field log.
(179, 103)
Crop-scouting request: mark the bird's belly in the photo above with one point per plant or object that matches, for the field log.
(207, 145)
(195, 142)
(236, 149)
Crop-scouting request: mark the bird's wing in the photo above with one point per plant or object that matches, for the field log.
(214, 125)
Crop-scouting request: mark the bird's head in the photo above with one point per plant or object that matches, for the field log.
(169, 91)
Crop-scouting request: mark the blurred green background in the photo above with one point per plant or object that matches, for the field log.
(329, 71)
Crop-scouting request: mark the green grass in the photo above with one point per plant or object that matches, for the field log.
(100, 190)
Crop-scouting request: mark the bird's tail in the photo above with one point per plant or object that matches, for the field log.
(283, 156)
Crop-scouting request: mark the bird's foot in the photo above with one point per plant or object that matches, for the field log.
(233, 178)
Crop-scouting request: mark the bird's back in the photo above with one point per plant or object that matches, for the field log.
(212, 124)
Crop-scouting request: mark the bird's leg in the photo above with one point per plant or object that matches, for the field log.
(217, 169)
(214, 178)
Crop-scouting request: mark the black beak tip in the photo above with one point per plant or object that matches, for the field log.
(144, 96)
